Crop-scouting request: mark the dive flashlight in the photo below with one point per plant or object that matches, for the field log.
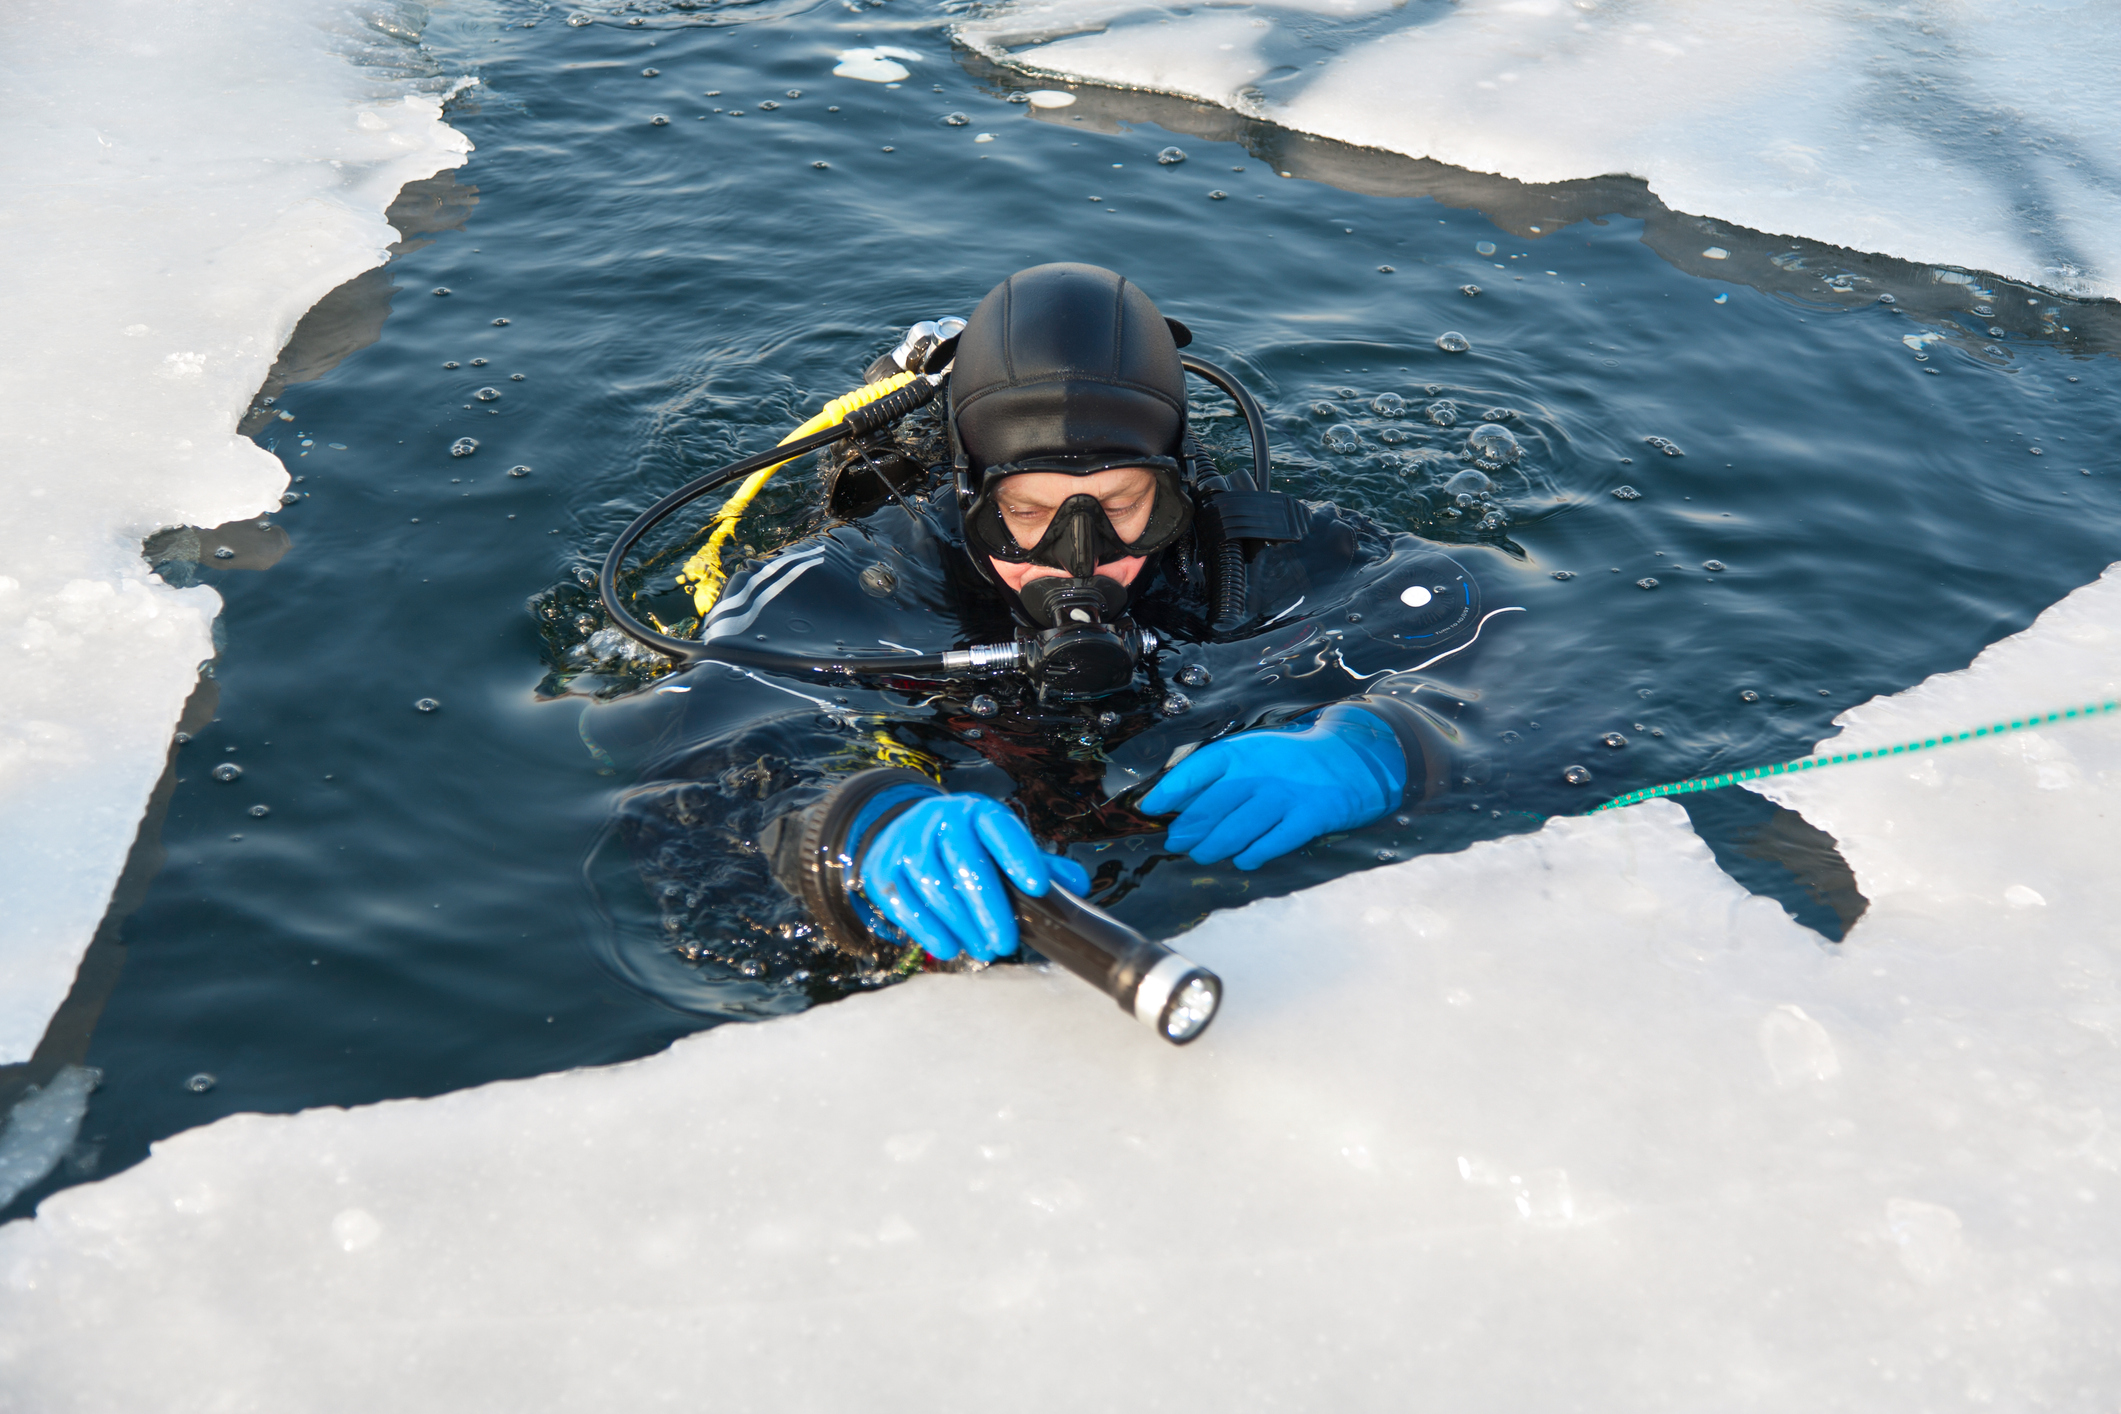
(816, 853)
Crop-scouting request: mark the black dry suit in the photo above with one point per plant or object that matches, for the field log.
(1063, 367)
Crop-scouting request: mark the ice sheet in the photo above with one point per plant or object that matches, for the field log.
(1974, 135)
(1566, 1121)
(183, 182)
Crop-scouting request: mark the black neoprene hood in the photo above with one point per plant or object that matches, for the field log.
(1066, 360)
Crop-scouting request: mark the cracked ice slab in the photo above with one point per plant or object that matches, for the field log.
(1930, 131)
(1565, 1120)
(184, 181)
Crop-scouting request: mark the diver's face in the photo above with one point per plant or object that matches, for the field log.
(1029, 499)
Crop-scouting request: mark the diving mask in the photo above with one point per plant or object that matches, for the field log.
(1080, 537)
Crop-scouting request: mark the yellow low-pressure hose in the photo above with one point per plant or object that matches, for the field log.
(704, 570)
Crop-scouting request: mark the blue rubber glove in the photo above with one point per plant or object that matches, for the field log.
(1259, 794)
(937, 870)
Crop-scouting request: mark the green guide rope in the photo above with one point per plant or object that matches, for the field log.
(1808, 763)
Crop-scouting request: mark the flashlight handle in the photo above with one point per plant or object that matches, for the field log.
(1135, 972)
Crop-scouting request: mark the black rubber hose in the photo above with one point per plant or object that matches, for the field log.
(691, 651)
(1255, 420)
(1228, 572)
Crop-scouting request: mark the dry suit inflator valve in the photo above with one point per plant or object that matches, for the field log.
(816, 856)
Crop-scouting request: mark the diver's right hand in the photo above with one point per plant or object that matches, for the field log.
(937, 870)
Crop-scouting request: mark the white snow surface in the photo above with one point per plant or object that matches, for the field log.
(1565, 1121)
(1983, 135)
(183, 180)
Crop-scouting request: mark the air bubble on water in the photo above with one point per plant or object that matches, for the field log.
(1218, 196)
(579, 20)
(795, 93)
(1577, 775)
(1469, 290)
(1443, 414)
(1174, 703)
(1669, 448)
(1484, 248)
(1342, 438)
(1171, 156)
(878, 580)
(1324, 410)
(288, 498)
(1387, 855)
(1393, 436)
(259, 812)
(201, 1083)
(478, 363)
(441, 290)
(1749, 696)
(1451, 341)
(488, 395)
(451, 364)
(1194, 675)
(984, 706)
(427, 704)
(222, 552)
(1388, 405)
(519, 471)
(463, 446)
(768, 106)
(515, 377)
(500, 323)
(659, 121)
(821, 166)
(1646, 582)
(1626, 493)
(1717, 566)
(1497, 415)
(1108, 721)
(954, 120)
(1493, 446)
(227, 771)
(1564, 574)
(1615, 739)
(1468, 483)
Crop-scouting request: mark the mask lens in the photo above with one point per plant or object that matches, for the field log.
(1079, 519)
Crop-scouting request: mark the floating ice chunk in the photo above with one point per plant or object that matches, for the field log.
(1797, 1048)
(122, 263)
(355, 1229)
(1051, 98)
(42, 1127)
(1928, 1236)
(1852, 126)
(876, 64)
(2019, 896)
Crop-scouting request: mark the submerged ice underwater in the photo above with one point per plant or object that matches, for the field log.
(1740, 495)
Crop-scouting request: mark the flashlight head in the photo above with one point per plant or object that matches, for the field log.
(1177, 999)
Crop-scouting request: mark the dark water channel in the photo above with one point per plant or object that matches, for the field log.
(411, 914)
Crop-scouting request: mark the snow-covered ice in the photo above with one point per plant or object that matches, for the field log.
(1568, 1120)
(183, 182)
(1976, 135)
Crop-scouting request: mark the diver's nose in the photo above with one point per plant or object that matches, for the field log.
(1077, 550)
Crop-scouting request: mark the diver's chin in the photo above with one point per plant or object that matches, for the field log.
(1017, 576)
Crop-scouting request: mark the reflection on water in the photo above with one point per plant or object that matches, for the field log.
(410, 915)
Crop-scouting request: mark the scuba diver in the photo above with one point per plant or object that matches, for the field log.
(1036, 617)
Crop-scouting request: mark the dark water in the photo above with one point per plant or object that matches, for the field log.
(412, 915)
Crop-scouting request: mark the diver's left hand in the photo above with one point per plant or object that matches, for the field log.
(1259, 794)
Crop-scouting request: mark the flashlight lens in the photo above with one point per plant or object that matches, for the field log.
(1192, 1008)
